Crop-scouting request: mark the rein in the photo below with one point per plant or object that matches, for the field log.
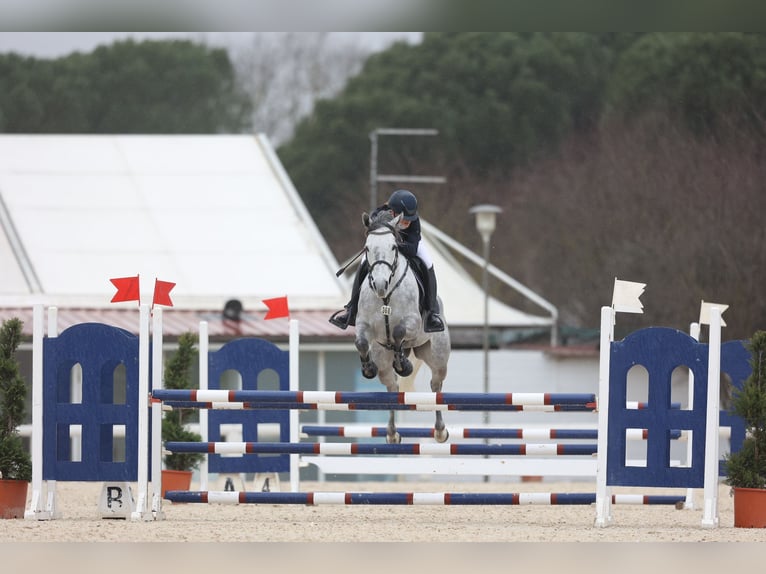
(388, 228)
(363, 250)
(385, 309)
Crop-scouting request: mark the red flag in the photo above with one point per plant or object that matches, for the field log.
(127, 289)
(162, 293)
(277, 308)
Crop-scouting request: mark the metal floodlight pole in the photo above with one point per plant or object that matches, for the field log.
(375, 178)
(485, 224)
(373, 170)
(407, 132)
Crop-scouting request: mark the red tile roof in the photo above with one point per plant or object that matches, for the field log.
(314, 325)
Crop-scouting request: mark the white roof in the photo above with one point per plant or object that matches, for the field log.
(217, 215)
(214, 214)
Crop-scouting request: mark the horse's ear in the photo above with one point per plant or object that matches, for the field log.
(395, 221)
(366, 219)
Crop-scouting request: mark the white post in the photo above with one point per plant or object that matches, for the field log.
(694, 331)
(51, 505)
(156, 407)
(141, 511)
(293, 415)
(35, 510)
(603, 494)
(710, 511)
(321, 387)
(204, 348)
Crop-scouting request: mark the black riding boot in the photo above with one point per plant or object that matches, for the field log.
(349, 317)
(433, 322)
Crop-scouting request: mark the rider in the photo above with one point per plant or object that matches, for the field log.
(405, 203)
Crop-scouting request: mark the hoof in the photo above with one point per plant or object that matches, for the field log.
(370, 372)
(395, 439)
(441, 435)
(405, 369)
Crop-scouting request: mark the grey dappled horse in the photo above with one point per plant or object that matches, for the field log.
(389, 324)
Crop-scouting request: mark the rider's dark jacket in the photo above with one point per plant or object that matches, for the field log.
(410, 236)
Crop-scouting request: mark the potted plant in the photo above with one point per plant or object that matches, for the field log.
(15, 461)
(178, 466)
(746, 468)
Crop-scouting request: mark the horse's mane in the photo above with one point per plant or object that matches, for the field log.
(383, 219)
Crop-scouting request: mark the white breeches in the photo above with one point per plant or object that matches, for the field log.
(424, 255)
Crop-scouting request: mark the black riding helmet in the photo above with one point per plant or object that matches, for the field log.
(404, 202)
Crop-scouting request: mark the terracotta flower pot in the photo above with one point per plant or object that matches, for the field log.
(176, 480)
(13, 498)
(750, 507)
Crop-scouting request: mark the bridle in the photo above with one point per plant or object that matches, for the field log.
(385, 309)
(386, 228)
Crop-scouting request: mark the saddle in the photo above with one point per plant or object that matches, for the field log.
(419, 271)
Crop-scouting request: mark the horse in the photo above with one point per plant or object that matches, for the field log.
(389, 324)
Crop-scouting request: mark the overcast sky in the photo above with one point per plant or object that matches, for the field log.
(57, 44)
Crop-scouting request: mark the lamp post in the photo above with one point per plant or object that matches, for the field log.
(485, 225)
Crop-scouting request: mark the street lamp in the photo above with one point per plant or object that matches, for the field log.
(485, 225)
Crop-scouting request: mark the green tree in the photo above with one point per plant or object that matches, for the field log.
(127, 87)
(499, 101)
(178, 372)
(628, 155)
(746, 468)
(21, 108)
(15, 463)
(701, 78)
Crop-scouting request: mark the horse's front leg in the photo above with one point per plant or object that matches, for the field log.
(369, 368)
(402, 365)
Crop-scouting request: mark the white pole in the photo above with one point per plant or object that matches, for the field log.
(35, 510)
(156, 443)
(293, 415)
(694, 331)
(321, 387)
(204, 348)
(51, 506)
(603, 495)
(710, 512)
(140, 513)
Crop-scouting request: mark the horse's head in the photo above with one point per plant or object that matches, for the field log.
(382, 251)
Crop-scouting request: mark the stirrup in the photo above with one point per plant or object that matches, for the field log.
(342, 321)
(433, 323)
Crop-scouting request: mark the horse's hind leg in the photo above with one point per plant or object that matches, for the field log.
(392, 435)
(441, 434)
(435, 354)
(389, 380)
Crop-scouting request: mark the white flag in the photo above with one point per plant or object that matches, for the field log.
(625, 298)
(705, 312)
